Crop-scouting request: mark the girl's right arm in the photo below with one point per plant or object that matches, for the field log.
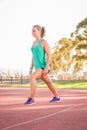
(31, 67)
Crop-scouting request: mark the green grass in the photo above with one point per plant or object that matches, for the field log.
(72, 84)
(68, 84)
(58, 84)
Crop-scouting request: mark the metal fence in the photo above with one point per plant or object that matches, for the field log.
(13, 80)
(25, 79)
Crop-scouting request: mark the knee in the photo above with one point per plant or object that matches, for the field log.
(43, 77)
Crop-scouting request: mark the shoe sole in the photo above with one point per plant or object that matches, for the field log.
(55, 101)
(29, 103)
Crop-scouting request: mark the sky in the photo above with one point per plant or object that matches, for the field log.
(59, 17)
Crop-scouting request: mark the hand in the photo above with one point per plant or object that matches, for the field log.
(30, 71)
(45, 72)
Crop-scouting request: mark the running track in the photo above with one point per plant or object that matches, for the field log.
(69, 114)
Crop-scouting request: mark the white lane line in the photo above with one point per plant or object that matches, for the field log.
(40, 118)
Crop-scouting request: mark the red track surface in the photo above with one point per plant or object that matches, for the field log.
(69, 114)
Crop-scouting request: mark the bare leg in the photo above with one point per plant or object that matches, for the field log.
(33, 77)
(50, 85)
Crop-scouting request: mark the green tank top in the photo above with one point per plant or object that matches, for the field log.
(39, 55)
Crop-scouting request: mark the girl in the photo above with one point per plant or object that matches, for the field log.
(41, 57)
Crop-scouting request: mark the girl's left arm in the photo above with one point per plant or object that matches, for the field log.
(47, 49)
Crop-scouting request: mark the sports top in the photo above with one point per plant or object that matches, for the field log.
(39, 55)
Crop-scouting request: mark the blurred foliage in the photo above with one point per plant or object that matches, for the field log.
(71, 52)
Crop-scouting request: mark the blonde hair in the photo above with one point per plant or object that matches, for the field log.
(41, 29)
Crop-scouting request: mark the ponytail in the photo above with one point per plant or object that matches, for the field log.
(43, 32)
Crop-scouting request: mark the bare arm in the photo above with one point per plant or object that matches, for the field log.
(46, 47)
(32, 64)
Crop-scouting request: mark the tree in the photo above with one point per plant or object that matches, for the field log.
(80, 45)
(61, 56)
(71, 52)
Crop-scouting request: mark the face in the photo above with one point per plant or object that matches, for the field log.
(35, 32)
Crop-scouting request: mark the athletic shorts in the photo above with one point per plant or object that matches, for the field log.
(48, 69)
